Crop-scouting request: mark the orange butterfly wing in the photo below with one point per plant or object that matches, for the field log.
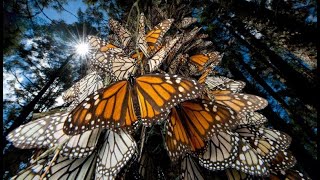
(202, 79)
(154, 37)
(158, 93)
(196, 123)
(202, 61)
(151, 42)
(241, 103)
(110, 107)
(199, 60)
(177, 139)
(107, 47)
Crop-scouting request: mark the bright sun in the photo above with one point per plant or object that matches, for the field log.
(82, 49)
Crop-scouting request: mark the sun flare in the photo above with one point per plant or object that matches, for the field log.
(82, 49)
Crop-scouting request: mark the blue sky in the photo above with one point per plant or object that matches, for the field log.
(72, 6)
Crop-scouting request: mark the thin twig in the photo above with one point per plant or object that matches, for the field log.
(41, 9)
(67, 10)
(143, 137)
(17, 79)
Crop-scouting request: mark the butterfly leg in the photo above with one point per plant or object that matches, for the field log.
(45, 154)
(56, 150)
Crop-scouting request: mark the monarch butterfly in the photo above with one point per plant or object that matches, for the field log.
(123, 34)
(107, 160)
(113, 106)
(221, 151)
(155, 36)
(224, 83)
(203, 78)
(160, 56)
(259, 139)
(186, 22)
(289, 174)
(249, 161)
(117, 65)
(253, 118)
(47, 132)
(141, 39)
(239, 102)
(81, 89)
(150, 43)
(79, 168)
(233, 174)
(121, 67)
(180, 59)
(99, 44)
(280, 139)
(201, 61)
(193, 122)
(186, 37)
(190, 170)
(95, 42)
(116, 151)
(283, 161)
(33, 172)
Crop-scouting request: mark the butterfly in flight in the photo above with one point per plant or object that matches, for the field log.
(151, 95)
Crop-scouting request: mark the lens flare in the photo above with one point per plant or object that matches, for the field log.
(82, 49)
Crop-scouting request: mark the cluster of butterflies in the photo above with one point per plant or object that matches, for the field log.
(146, 80)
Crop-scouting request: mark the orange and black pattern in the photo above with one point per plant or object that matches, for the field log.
(194, 122)
(239, 102)
(112, 107)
